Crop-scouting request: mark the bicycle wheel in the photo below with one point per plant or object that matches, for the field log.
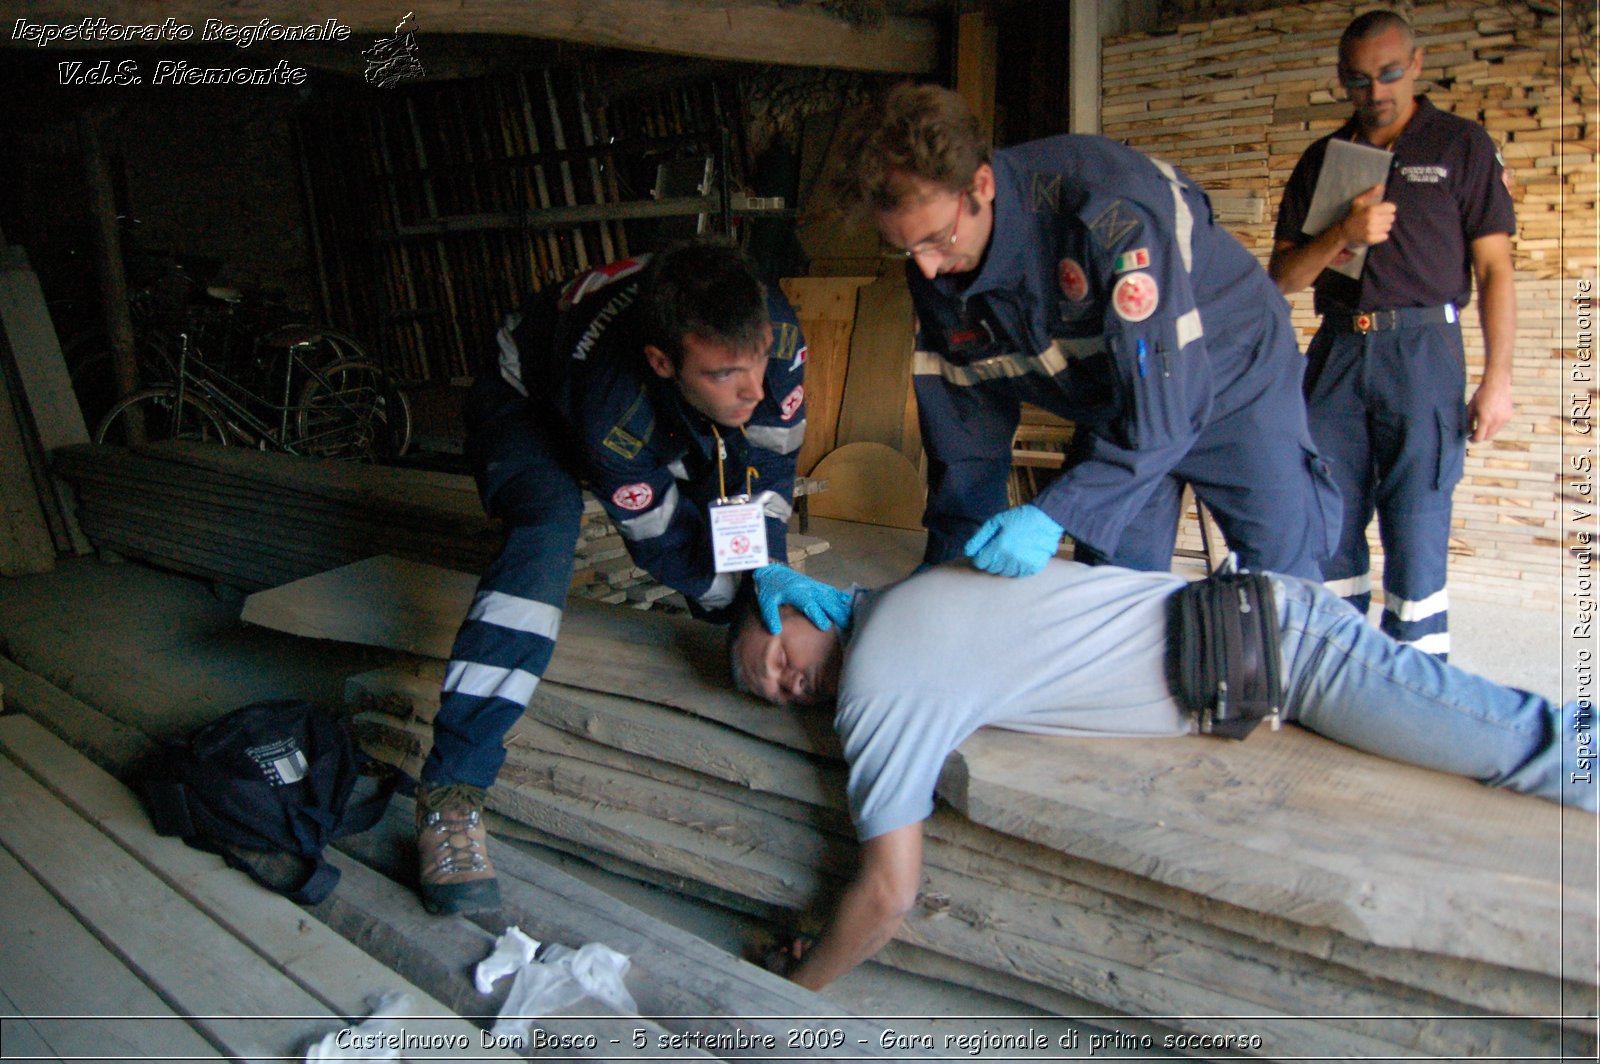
(155, 415)
(352, 410)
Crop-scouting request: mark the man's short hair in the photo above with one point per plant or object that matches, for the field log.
(923, 131)
(705, 289)
(1373, 24)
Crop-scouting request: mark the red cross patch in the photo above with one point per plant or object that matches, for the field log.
(1074, 282)
(792, 401)
(1136, 297)
(633, 496)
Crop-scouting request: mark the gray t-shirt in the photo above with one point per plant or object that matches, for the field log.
(1075, 650)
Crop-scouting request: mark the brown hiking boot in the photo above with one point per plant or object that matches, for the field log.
(453, 850)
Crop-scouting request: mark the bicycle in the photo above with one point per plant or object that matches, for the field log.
(348, 408)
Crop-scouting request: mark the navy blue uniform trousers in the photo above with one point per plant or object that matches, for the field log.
(506, 641)
(1388, 412)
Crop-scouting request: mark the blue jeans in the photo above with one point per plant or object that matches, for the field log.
(1348, 681)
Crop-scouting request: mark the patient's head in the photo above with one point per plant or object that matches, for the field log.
(801, 665)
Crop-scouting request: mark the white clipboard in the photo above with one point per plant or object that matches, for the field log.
(1348, 169)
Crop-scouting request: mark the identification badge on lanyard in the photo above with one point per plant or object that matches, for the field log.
(738, 534)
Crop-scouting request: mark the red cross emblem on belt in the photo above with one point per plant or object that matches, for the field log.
(1363, 323)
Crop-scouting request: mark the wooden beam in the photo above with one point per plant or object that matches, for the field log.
(977, 46)
(1083, 67)
(751, 31)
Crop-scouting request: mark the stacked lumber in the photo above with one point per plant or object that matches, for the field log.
(1236, 100)
(38, 411)
(1296, 896)
(196, 943)
(254, 520)
(183, 957)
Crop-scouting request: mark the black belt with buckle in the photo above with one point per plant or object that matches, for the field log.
(1370, 321)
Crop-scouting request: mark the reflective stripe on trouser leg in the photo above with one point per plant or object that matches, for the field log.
(505, 642)
(500, 653)
(1416, 604)
(1418, 429)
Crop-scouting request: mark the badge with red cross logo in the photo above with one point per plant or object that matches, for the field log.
(792, 401)
(1074, 282)
(1135, 297)
(633, 496)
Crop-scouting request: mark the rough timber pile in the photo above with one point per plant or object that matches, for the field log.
(1329, 903)
(255, 520)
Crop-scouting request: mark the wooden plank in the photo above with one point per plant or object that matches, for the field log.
(1297, 826)
(327, 972)
(679, 974)
(977, 41)
(879, 373)
(1061, 942)
(409, 606)
(198, 967)
(630, 726)
(37, 353)
(871, 483)
(111, 744)
(743, 32)
(25, 543)
(1071, 929)
(699, 803)
(826, 308)
(441, 954)
(83, 1001)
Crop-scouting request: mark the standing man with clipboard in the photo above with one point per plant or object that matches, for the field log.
(1386, 376)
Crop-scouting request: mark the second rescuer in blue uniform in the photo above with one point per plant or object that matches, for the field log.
(1091, 280)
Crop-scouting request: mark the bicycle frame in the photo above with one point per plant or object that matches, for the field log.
(230, 398)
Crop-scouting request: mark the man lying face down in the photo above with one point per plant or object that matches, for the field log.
(1082, 651)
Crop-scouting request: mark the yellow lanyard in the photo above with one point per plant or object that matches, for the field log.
(750, 471)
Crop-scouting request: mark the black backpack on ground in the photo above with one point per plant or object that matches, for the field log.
(268, 787)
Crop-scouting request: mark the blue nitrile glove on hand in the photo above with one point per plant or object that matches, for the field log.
(779, 585)
(1015, 542)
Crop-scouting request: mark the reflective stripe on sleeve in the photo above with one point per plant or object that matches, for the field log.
(1183, 218)
(720, 593)
(510, 356)
(1189, 327)
(1047, 363)
(774, 505)
(782, 439)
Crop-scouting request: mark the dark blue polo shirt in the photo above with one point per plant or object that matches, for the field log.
(1445, 183)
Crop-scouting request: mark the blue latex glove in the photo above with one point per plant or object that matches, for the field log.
(1015, 542)
(779, 585)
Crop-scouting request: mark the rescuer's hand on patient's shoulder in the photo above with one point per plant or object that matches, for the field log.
(1015, 542)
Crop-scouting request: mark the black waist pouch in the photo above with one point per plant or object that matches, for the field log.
(1222, 653)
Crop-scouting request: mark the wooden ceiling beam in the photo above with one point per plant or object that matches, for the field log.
(755, 31)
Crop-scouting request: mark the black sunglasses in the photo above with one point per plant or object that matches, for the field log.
(1361, 81)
